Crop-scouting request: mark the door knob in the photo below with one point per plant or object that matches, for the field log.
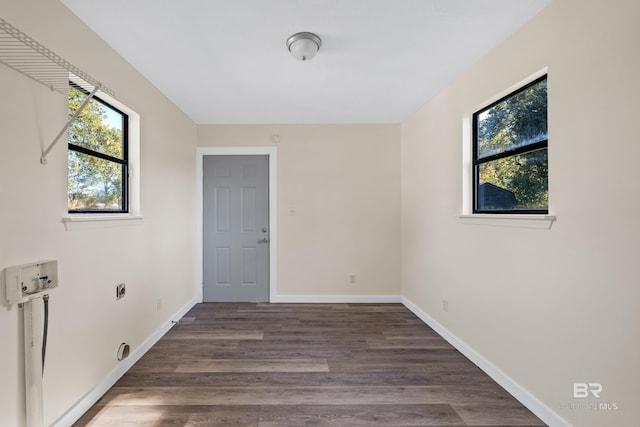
(264, 240)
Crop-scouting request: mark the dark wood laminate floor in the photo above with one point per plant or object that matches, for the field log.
(270, 365)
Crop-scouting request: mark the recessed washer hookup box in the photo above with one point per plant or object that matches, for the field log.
(28, 281)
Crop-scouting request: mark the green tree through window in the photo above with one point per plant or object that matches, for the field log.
(510, 153)
(97, 159)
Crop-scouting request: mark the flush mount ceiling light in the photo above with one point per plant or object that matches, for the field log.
(304, 46)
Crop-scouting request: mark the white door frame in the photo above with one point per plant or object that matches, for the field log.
(273, 230)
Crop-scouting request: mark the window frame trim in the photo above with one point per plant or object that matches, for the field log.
(124, 162)
(475, 162)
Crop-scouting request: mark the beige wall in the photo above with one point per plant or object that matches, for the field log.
(547, 307)
(156, 261)
(343, 183)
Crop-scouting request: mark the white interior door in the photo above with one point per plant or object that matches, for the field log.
(235, 228)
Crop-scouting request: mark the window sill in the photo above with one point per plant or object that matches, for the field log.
(92, 221)
(542, 222)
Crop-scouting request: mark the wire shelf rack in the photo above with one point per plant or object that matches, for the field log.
(27, 56)
(30, 58)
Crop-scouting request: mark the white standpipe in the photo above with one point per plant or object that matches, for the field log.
(28, 285)
(32, 312)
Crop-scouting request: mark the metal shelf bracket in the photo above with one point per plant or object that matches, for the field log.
(43, 157)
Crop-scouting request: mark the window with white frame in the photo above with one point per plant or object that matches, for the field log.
(510, 161)
(98, 158)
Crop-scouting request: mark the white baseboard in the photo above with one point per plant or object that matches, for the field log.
(88, 400)
(532, 403)
(337, 299)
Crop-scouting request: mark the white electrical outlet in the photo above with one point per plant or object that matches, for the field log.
(352, 278)
(445, 305)
(121, 290)
(159, 304)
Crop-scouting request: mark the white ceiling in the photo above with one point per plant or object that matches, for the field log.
(225, 61)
